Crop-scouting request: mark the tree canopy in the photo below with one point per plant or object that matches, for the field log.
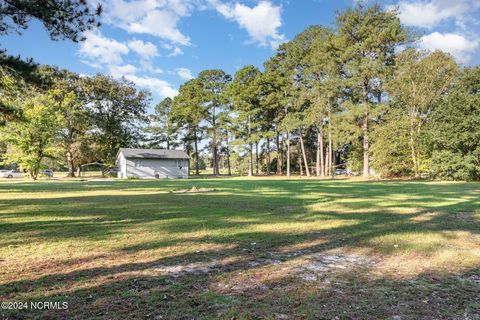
(357, 98)
(62, 19)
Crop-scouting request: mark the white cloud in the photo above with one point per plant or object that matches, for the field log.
(428, 14)
(184, 73)
(146, 50)
(147, 65)
(157, 86)
(261, 22)
(98, 50)
(162, 24)
(461, 40)
(107, 54)
(120, 71)
(176, 52)
(457, 45)
(156, 17)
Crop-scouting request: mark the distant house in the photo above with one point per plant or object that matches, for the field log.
(152, 163)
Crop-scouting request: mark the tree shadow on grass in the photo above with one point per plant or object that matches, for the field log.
(138, 290)
(367, 206)
(227, 217)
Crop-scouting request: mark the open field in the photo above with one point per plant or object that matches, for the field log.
(242, 249)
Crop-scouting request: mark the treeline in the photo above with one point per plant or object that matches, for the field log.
(345, 98)
(46, 113)
(356, 97)
(59, 115)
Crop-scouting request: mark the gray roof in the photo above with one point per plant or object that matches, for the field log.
(153, 153)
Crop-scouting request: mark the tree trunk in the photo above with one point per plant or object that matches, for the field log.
(317, 160)
(36, 168)
(250, 156)
(327, 169)
(320, 164)
(35, 171)
(330, 152)
(288, 139)
(267, 152)
(307, 170)
(412, 147)
(250, 159)
(215, 161)
(215, 155)
(328, 159)
(69, 155)
(256, 158)
(70, 165)
(197, 170)
(279, 155)
(366, 164)
(366, 154)
(288, 154)
(300, 161)
(228, 154)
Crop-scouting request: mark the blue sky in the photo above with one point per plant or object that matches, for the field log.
(158, 44)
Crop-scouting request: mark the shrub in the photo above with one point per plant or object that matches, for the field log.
(454, 166)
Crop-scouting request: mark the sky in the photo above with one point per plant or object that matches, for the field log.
(159, 44)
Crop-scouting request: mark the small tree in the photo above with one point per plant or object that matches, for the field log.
(419, 81)
(32, 140)
(390, 145)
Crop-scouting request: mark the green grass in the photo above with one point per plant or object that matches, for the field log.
(135, 249)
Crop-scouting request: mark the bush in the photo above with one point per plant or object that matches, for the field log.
(390, 147)
(453, 166)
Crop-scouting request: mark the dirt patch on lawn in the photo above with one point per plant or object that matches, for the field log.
(189, 268)
(257, 273)
(318, 265)
(193, 190)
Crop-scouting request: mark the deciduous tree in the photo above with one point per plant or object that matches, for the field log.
(419, 81)
(32, 139)
(453, 134)
(117, 110)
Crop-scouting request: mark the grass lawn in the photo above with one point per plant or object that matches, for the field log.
(271, 248)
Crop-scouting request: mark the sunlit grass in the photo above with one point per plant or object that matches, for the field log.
(93, 238)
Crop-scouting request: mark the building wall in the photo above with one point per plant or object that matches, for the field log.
(122, 166)
(153, 168)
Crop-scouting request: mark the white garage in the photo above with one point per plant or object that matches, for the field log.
(152, 163)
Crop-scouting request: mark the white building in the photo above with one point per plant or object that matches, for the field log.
(152, 163)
